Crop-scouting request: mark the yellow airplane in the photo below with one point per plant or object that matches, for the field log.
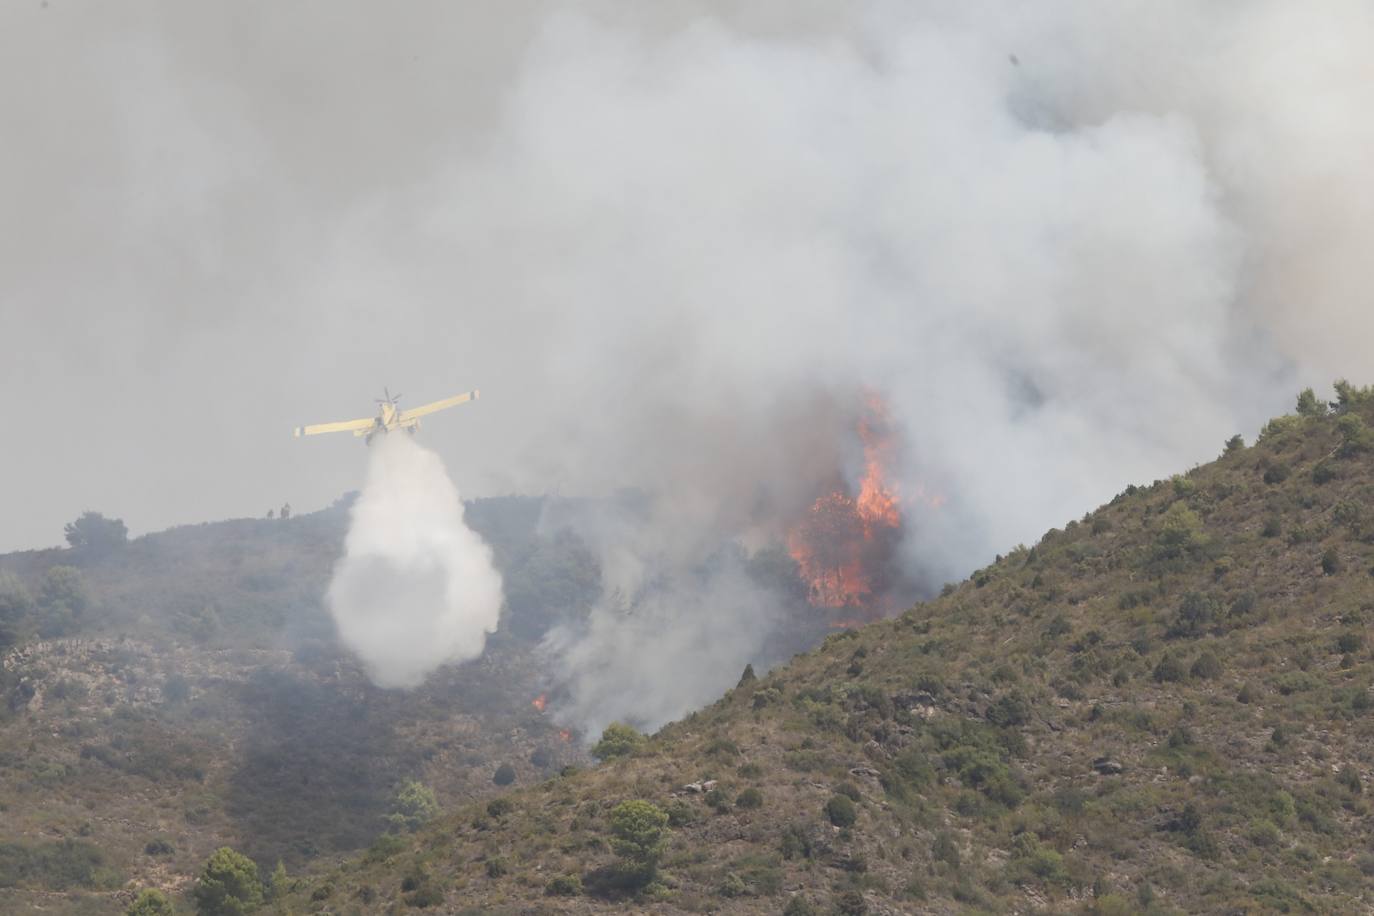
(389, 417)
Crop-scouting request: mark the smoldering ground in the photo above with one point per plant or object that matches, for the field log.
(1074, 245)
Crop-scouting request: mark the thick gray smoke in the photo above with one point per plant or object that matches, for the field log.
(1074, 245)
(416, 587)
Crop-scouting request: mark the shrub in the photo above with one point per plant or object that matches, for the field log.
(851, 903)
(1264, 833)
(150, 902)
(718, 800)
(504, 775)
(64, 587)
(500, 807)
(1180, 533)
(1309, 406)
(1207, 666)
(680, 814)
(639, 831)
(618, 740)
(944, 849)
(278, 884)
(564, 886)
(1348, 395)
(796, 844)
(57, 866)
(1009, 711)
(1235, 444)
(95, 535)
(1276, 473)
(415, 806)
(15, 601)
(798, 905)
(841, 811)
(384, 847)
(497, 867)
(426, 895)
(1169, 670)
(158, 847)
(1331, 562)
(1196, 613)
(1356, 436)
(228, 885)
(733, 886)
(750, 798)
(1030, 857)
(849, 790)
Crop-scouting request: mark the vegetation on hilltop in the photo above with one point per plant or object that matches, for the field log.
(1165, 707)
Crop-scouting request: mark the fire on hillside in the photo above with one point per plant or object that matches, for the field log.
(845, 545)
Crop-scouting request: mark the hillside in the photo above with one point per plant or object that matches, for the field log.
(1164, 707)
(185, 691)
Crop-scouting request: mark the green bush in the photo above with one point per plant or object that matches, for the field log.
(944, 849)
(1196, 614)
(278, 883)
(56, 866)
(94, 535)
(750, 798)
(1356, 436)
(150, 902)
(1169, 670)
(564, 886)
(426, 895)
(1264, 833)
(1009, 711)
(414, 806)
(639, 835)
(841, 811)
(1206, 666)
(680, 814)
(618, 740)
(851, 903)
(1030, 857)
(797, 905)
(500, 807)
(1180, 533)
(849, 790)
(796, 843)
(718, 800)
(733, 886)
(228, 885)
(504, 775)
(1309, 406)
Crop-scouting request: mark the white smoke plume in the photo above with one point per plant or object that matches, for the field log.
(415, 588)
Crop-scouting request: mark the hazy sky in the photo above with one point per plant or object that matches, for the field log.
(1075, 246)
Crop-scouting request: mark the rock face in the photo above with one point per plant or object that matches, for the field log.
(695, 788)
(1106, 766)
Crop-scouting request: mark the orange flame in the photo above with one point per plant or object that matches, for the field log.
(540, 702)
(565, 735)
(833, 544)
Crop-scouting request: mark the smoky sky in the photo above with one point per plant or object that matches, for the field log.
(1074, 245)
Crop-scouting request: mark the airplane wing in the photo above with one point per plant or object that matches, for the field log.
(439, 405)
(345, 426)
